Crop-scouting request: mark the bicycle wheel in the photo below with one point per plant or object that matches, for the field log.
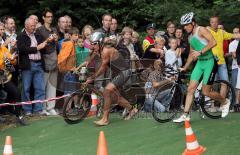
(169, 95)
(76, 107)
(210, 107)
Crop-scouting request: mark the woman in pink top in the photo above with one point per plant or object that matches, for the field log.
(86, 32)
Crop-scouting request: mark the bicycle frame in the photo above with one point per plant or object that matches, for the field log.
(197, 100)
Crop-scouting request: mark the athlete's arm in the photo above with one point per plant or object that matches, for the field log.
(88, 60)
(208, 36)
(105, 61)
(204, 33)
(189, 60)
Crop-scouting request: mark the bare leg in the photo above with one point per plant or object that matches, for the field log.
(223, 90)
(124, 103)
(190, 93)
(206, 89)
(188, 102)
(109, 95)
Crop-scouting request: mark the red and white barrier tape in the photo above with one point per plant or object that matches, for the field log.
(35, 101)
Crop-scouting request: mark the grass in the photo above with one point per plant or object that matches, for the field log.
(52, 136)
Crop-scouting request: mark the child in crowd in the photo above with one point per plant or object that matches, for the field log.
(66, 38)
(136, 44)
(156, 50)
(81, 52)
(67, 60)
(173, 55)
(86, 33)
(159, 44)
(156, 79)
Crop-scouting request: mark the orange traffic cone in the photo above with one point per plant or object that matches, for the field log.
(102, 145)
(193, 148)
(93, 109)
(8, 146)
(95, 100)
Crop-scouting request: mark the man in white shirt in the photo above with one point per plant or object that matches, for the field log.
(31, 46)
(232, 49)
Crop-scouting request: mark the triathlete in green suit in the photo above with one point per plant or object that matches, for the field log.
(201, 42)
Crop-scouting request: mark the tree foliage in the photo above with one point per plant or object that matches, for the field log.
(136, 13)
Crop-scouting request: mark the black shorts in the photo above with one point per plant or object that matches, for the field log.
(122, 78)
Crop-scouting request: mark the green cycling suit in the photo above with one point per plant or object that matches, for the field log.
(206, 66)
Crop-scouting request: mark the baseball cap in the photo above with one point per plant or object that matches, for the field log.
(152, 25)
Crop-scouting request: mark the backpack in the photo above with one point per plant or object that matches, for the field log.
(67, 57)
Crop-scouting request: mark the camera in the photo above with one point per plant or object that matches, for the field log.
(51, 36)
(9, 66)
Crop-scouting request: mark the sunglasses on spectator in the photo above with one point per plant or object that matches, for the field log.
(94, 43)
(49, 16)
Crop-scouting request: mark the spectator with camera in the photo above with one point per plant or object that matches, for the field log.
(31, 47)
(10, 41)
(6, 66)
(10, 33)
(49, 33)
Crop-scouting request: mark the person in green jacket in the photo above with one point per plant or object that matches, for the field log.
(81, 52)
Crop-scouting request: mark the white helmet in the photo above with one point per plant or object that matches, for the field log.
(187, 18)
(97, 37)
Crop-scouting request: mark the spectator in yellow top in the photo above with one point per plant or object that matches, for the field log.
(220, 35)
(4, 55)
(149, 39)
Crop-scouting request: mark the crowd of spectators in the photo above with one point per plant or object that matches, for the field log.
(31, 60)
